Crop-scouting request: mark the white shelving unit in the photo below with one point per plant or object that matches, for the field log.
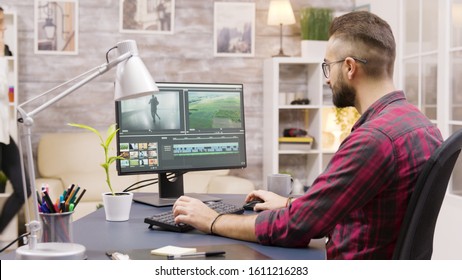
(298, 78)
(11, 39)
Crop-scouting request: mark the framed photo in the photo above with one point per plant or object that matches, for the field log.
(147, 16)
(234, 29)
(56, 27)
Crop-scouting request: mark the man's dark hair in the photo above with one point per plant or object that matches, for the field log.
(370, 36)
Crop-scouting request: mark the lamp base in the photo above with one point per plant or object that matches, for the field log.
(52, 251)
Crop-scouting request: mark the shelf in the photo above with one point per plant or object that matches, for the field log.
(298, 152)
(303, 78)
(300, 107)
(10, 39)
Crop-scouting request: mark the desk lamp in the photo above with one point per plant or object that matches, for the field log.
(132, 80)
(280, 13)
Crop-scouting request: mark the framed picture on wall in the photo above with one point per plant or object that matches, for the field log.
(234, 29)
(56, 27)
(147, 16)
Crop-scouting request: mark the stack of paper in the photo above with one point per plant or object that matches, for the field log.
(172, 250)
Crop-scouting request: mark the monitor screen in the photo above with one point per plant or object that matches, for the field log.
(183, 127)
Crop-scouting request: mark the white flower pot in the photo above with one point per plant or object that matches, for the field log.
(312, 49)
(117, 207)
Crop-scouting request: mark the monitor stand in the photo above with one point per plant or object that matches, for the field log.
(170, 189)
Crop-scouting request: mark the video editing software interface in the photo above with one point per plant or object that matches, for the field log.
(183, 127)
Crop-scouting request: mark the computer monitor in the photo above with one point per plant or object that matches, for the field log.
(183, 127)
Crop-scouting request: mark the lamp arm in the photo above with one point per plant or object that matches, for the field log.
(58, 86)
(100, 70)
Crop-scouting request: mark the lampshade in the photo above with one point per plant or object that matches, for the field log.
(280, 12)
(132, 76)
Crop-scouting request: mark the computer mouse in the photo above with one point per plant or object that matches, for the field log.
(251, 204)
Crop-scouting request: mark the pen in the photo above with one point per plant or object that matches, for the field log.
(196, 255)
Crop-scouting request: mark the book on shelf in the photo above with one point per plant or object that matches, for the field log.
(295, 143)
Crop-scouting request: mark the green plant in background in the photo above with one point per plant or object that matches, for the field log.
(108, 160)
(314, 23)
(346, 118)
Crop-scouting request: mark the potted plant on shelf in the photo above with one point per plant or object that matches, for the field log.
(117, 205)
(314, 29)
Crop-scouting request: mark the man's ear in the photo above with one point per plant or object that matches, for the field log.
(352, 67)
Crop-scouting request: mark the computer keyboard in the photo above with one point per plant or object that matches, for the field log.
(165, 220)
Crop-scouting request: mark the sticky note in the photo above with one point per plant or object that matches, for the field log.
(172, 250)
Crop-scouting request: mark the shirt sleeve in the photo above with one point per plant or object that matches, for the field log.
(359, 170)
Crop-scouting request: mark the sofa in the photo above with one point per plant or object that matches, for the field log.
(74, 158)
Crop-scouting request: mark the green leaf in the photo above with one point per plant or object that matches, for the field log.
(113, 159)
(111, 133)
(87, 128)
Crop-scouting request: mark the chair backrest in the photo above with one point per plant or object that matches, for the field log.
(415, 240)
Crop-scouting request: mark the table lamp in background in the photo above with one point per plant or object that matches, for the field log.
(132, 80)
(280, 13)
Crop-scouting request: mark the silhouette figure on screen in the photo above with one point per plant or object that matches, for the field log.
(154, 102)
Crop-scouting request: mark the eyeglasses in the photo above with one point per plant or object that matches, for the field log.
(326, 65)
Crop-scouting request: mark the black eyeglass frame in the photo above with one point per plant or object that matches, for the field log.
(326, 65)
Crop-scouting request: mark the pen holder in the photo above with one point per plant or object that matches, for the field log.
(57, 227)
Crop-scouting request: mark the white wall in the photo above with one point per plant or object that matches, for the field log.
(448, 242)
(389, 11)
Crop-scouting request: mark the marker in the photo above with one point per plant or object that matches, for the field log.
(196, 255)
(48, 202)
(69, 190)
(79, 198)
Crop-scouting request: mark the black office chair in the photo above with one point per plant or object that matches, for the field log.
(415, 241)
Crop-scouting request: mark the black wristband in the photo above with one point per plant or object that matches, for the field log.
(213, 222)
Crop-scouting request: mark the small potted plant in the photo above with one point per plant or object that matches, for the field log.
(117, 205)
(314, 29)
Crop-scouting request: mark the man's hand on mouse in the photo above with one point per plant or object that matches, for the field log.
(270, 200)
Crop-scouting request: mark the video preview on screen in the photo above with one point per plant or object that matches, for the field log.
(182, 127)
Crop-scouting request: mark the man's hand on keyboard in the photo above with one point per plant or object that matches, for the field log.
(194, 212)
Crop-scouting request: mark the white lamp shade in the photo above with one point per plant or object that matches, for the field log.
(280, 12)
(132, 78)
